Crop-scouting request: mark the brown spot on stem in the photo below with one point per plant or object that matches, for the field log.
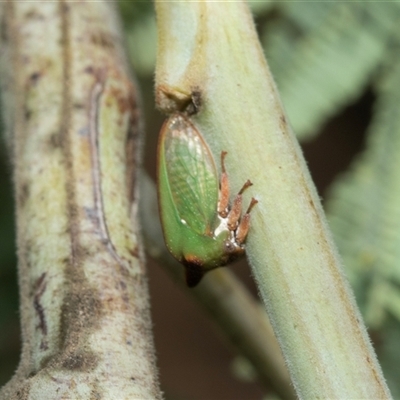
(34, 77)
(78, 106)
(89, 70)
(27, 113)
(81, 314)
(35, 15)
(4, 27)
(311, 202)
(39, 289)
(132, 143)
(169, 100)
(23, 392)
(193, 106)
(81, 309)
(24, 193)
(95, 395)
(134, 252)
(54, 141)
(102, 39)
(283, 124)
(84, 361)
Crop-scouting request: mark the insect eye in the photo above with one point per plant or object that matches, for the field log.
(229, 246)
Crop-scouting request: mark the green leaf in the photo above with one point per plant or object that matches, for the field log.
(141, 35)
(364, 209)
(142, 45)
(387, 346)
(260, 6)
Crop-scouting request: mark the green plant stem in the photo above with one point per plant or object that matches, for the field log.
(209, 54)
(72, 122)
(235, 311)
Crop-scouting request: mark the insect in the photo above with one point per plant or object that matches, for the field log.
(201, 228)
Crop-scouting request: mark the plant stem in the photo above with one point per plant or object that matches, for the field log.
(72, 119)
(209, 54)
(234, 310)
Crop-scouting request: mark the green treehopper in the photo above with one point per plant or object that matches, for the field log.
(202, 229)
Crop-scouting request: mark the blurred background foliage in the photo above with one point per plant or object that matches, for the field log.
(337, 67)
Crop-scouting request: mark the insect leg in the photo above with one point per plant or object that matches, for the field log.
(236, 210)
(223, 200)
(244, 225)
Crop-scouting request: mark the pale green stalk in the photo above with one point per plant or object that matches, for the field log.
(209, 54)
(72, 121)
(239, 316)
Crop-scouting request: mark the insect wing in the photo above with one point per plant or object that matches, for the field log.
(192, 175)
